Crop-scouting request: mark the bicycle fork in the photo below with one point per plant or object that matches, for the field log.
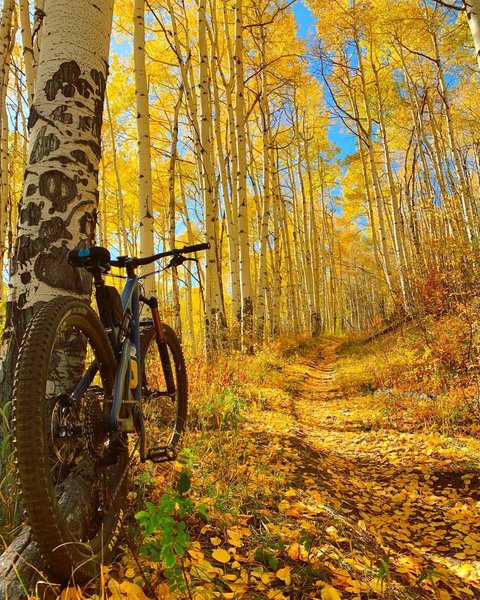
(159, 453)
(162, 348)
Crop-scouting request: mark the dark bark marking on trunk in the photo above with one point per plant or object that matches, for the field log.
(32, 118)
(32, 213)
(53, 230)
(80, 157)
(58, 188)
(95, 148)
(61, 114)
(26, 277)
(26, 249)
(85, 123)
(88, 222)
(44, 144)
(31, 189)
(67, 80)
(21, 301)
(52, 268)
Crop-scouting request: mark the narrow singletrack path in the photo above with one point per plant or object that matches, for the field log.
(396, 514)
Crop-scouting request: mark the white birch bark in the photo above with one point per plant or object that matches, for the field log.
(265, 213)
(214, 317)
(241, 179)
(5, 35)
(172, 210)
(6, 42)
(472, 9)
(123, 237)
(145, 208)
(59, 203)
(37, 32)
(26, 31)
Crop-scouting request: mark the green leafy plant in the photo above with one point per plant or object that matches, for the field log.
(167, 537)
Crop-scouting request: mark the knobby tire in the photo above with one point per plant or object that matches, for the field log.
(70, 552)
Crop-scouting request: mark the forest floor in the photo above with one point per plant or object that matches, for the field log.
(312, 494)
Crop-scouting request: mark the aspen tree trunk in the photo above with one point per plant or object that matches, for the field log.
(172, 211)
(275, 318)
(312, 233)
(305, 256)
(232, 214)
(397, 224)
(102, 209)
(27, 49)
(291, 269)
(472, 10)
(37, 34)
(145, 203)
(373, 168)
(123, 237)
(191, 240)
(465, 193)
(58, 207)
(214, 317)
(241, 181)
(7, 37)
(228, 191)
(265, 213)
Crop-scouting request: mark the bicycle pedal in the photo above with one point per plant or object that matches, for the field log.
(161, 454)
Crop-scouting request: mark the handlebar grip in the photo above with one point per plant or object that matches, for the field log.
(195, 247)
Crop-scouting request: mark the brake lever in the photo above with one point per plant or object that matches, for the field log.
(176, 261)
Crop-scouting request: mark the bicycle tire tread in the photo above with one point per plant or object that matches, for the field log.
(27, 418)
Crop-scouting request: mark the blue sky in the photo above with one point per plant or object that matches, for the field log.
(304, 17)
(306, 29)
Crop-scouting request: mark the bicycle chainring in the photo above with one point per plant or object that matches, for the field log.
(95, 428)
(65, 430)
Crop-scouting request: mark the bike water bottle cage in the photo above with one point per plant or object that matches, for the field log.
(92, 259)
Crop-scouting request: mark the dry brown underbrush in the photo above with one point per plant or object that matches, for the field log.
(423, 374)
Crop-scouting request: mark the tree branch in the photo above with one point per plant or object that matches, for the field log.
(452, 6)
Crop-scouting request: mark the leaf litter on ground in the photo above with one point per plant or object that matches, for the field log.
(308, 498)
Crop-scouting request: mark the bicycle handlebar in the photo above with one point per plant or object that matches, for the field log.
(175, 252)
(98, 257)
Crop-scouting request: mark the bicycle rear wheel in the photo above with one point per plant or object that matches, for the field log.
(164, 416)
(73, 496)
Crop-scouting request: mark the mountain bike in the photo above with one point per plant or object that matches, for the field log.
(91, 393)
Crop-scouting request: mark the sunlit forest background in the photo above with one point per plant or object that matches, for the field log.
(335, 172)
(329, 153)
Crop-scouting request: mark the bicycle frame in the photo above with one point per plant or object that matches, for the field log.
(130, 304)
(126, 335)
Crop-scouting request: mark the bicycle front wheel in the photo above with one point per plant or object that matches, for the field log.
(72, 469)
(164, 415)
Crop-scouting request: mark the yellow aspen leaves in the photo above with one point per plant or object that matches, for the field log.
(284, 574)
(132, 591)
(234, 538)
(295, 551)
(215, 541)
(330, 593)
(221, 555)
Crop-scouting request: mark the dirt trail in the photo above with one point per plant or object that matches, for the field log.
(399, 511)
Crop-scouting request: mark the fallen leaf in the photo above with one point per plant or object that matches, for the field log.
(221, 555)
(330, 593)
(284, 574)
